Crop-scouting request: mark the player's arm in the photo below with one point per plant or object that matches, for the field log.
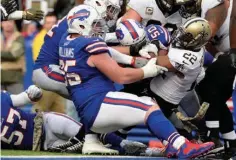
(131, 14)
(32, 94)
(216, 17)
(29, 14)
(164, 61)
(136, 62)
(113, 71)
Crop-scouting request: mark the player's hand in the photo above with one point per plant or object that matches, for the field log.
(151, 69)
(32, 14)
(149, 48)
(34, 93)
(7, 7)
(138, 62)
(135, 48)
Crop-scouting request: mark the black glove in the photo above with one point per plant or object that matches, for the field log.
(232, 54)
(7, 7)
(134, 48)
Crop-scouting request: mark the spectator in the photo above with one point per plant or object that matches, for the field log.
(50, 100)
(12, 56)
(50, 20)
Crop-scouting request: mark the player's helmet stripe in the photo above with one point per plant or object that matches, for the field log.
(167, 35)
(131, 29)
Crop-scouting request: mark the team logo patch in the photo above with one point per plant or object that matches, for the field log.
(81, 15)
(48, 70)
(178, 66)
(119, 34)
(149, 11)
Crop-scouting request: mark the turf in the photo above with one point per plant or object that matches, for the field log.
(30, 153)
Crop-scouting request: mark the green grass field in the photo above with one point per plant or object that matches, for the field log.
(31, 153)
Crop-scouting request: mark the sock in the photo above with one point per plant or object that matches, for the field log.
(111, 138)
(160, 126)
(234, 104)
(212, 128)
(91, 138)
(229, 136)
(213, 132)
(80, 135)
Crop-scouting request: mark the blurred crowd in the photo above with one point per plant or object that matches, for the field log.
(21, 42)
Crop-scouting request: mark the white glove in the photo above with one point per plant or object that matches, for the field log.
(34, 93)
(144, 52)
(138, 62)
(151, 69)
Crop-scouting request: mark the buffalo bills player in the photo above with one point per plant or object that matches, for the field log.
(30, 131)
(90, 72)
(47, 74)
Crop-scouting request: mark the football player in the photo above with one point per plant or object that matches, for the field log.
(32, 131)
(47, 74)
(90, 75)
(216, 87)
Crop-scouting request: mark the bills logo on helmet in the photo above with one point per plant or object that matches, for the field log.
(81, 15)
(119, 34)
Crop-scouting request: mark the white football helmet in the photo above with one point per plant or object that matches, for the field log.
(85, 20)
(99, 5)
(113, 10)
(130, 32)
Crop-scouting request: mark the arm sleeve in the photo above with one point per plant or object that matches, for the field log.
(97, 46)
(19, 100)
(140, 6)
(120, 57)
(209, 4)
(16, 15)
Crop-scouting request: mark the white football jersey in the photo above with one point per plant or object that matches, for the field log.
(149, 10)
(223, 33)
(172, 87)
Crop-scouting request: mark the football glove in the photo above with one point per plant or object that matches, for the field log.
(151, 69)
(34, 93)
(7, 7)
(32, 14)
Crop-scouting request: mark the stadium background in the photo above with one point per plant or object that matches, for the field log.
(60, 7)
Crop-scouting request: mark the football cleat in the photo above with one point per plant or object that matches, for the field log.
(133, 147)
(191, 150)
(63, 146)
(170, 151)
(153, 152)
(76, 148)
(97, 147)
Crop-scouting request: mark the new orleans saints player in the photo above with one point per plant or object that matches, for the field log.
(216, 87)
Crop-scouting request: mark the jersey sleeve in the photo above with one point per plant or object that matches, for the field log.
(6, 99)
(96, 46)
(209, 4)
(142, 8)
